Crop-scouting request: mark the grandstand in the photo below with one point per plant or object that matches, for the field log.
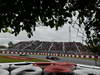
(51, 47)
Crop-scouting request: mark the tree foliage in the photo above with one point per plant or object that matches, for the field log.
(25, 14)
(18, 15)
(10, 44)
(94, 45)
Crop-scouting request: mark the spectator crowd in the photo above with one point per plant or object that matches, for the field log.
(57, 47)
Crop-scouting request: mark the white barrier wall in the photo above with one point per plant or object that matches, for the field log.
(4, 72)
(86, 70)
(80, 69)
(24, 70)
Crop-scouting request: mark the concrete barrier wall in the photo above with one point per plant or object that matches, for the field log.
(50, 54)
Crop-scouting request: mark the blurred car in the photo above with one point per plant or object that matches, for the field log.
(52, 58)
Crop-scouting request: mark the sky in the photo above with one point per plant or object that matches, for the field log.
(43, 33)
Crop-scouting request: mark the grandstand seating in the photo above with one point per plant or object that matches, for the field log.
(57, 47)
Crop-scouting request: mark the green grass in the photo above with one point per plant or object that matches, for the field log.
(4, 59)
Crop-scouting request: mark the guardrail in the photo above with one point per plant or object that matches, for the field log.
(50, 54)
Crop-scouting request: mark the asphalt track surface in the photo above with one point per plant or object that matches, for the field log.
(74, 60)
(68, 59)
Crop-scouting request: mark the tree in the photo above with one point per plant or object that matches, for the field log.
(94, 45)
(10, 44)
(19, 15)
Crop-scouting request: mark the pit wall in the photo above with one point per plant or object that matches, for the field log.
(49, 54)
